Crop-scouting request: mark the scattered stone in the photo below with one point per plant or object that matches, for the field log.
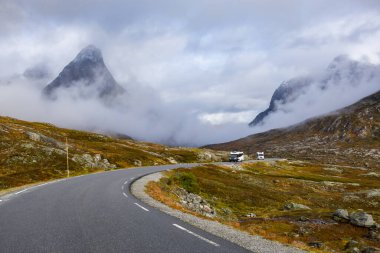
(370, 250)
(137, 163)
(361, 219)
(351, 244)
(374, 235)
(42, 138)
(88, 161)
(172, 160)
(195, 203)
(276, 181)
(303, 219)
(251, 215)
(373, 193)
(341, 215)
(295, 206)
(316, 244)
(304, 231)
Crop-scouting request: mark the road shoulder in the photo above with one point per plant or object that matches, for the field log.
(245, 240)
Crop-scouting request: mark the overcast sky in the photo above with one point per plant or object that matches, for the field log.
(219, 60)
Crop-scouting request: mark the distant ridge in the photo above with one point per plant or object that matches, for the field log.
(350, 136)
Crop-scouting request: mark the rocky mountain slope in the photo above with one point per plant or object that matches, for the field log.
(350, 136)
(87, 76)
(32, 152)
(341, 71)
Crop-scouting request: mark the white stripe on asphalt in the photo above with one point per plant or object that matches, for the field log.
(143, 208)
(21, 191)
(196, 235)
(132, 178)
(125, 195)
(126, 182)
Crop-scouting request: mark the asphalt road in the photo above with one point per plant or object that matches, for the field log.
(97, 213)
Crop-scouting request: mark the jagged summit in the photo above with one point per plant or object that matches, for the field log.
(90, 53)
(85, 77)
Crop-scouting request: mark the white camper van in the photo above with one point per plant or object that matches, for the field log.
(260, 155)
(236, 156)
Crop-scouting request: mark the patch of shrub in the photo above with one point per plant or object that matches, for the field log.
(186, 180)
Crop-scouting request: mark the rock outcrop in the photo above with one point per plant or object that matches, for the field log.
(195, 203)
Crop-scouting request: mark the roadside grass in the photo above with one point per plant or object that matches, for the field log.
(26, 161)
(264, 188)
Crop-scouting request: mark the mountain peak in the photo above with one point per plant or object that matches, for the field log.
(86, 76)
(90, 53)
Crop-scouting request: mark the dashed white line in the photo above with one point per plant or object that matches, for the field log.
(125, 195)
(196, 235)
(126, 182)
(21, 191)
(1, 200)
(143, 208)
(132, 178)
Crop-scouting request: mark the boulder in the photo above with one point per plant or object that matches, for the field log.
(295, 206)
(362, 219)
(316, 244)
(250, 215)
(341, 214)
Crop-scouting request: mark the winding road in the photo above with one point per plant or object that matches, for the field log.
(97, 213)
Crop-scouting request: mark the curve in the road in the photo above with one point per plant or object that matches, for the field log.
(97, 213)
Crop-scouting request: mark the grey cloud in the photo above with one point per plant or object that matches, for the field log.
(193, 68)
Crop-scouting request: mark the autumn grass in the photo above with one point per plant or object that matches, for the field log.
(24, 161)
(264, 188)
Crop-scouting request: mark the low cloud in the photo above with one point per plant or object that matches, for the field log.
(193, 71)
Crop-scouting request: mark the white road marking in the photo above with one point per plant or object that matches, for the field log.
(125, 195)
(132, 178)
(126, 182)
(143, 208)
(1, 200)
(196, 235)
(21, 191)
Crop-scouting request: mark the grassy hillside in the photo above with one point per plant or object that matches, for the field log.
(32, 152)
(350, 137)
(254, 197)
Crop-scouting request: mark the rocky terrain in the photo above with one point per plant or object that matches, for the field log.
(31, 152)
(341, 71)
(313, 207)
(85, 77)
(350, 137)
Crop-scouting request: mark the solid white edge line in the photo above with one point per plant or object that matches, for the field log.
(143, 208)
(196, 235)
(125, 195)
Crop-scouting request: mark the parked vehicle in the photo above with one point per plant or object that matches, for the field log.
(260, 155)
(236, 156)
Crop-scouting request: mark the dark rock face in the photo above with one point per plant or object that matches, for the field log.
(286, 93)
(87, 75)
(341, 70)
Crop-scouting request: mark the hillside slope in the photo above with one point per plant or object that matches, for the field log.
(350, 136)
(32, 152)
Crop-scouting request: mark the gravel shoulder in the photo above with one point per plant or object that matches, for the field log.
(250, 242)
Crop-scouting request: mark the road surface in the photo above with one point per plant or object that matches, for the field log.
(97, 213)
